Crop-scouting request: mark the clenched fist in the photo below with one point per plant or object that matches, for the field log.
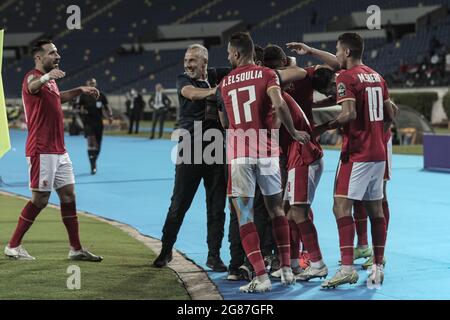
(56, 74)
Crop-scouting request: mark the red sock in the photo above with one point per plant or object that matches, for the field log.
(360, 214)
(26, 219)
(346, 227)
(250, 243)
(70, 219)
(295, 239)
(309, 236)
(378, 238)
(280, 227)
(386, 213)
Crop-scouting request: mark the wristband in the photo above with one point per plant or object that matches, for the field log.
(45, 78)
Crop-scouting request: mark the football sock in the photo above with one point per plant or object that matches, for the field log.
(360, 215)
(250, 243)
(378, 238)
(280, 227)
(309, 236)
(26, 219)
(346, 227)
(70, 220)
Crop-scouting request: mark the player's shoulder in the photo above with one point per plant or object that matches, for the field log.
(183, 80)
(31, 75)
(183, 77)
(346, 74)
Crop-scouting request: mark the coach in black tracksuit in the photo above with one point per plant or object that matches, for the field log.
(193, 89)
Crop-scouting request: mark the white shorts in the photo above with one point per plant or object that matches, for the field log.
(50, 171)
(246, 172)
(360, 180)
(302, 183)
(388, 171)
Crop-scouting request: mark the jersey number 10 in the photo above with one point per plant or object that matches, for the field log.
(375, 101)
(247, 105)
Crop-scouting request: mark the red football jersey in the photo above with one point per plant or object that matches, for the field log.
(298, 154)
(44, 117)
(303, 93)
(249, 110)
(363, 138)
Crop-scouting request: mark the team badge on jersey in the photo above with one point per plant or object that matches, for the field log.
(30, 78)
(341, 89)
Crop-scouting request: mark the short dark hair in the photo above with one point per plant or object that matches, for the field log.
(354, 42)
(258, 55)
(321, 78)
(243, 43)
(274, 56)
(38, 46)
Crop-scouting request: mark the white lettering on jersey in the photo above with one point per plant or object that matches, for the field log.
(244, 76)
(369, 77)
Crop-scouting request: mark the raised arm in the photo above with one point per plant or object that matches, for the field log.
(282, 111)
(35, 84)
(66, 96)
(303, 49)
(293, 73)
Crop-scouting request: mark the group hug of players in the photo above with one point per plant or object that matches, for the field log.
(265, 91)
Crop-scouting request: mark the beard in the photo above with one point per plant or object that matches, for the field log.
(51, 65)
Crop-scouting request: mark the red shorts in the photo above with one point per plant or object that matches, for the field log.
(302, 183)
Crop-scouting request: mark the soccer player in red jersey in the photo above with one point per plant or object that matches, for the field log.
(362, 250)
(250, 93)
(301, 83)
(303, 168)
(366, 108)
(48, 162)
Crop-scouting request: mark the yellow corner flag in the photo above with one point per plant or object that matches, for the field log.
(5, 144)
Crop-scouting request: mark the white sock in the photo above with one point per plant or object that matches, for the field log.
(317, 265)
(263, 278)
(347, 268)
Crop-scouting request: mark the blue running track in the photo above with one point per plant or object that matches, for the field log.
(134, 185)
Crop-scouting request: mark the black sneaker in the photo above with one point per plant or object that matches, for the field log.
(247, 271)
(216, 264)
(234, 275)
(272, 263)
(163, 259)
(93, 169)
